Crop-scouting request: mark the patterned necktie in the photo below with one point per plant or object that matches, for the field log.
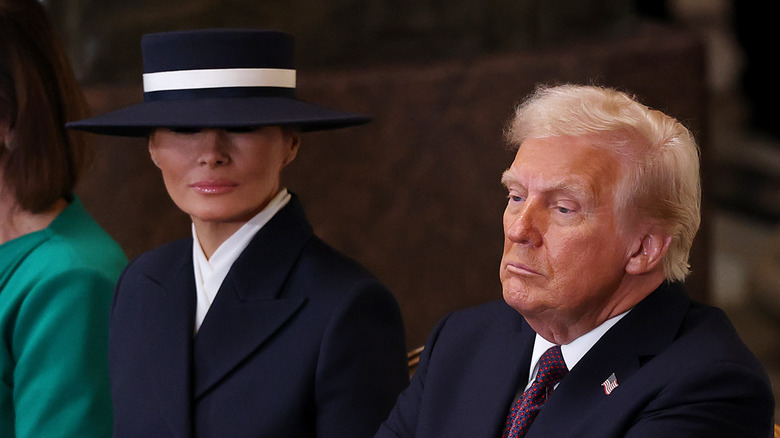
(552, 368)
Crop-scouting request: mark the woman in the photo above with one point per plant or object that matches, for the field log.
(254, 327)
(57, 266)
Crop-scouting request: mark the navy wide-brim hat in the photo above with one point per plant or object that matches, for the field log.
(218, 78)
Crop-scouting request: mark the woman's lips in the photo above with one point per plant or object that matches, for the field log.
(214, 187)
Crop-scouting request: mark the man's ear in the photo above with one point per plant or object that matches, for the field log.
(649, 253)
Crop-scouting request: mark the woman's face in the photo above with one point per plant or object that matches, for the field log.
(220, 176)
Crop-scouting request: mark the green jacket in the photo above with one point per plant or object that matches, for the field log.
(55, 292)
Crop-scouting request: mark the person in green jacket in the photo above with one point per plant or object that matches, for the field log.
(58, 268)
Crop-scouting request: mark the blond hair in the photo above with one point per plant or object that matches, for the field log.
(661, 171)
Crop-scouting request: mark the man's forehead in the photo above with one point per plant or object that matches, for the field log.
(563, 163)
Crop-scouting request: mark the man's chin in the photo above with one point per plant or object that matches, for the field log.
(518, 300)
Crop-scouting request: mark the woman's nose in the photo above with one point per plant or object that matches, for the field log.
(214, 148)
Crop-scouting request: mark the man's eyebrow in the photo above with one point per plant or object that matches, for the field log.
(507, 178)
(568, 185)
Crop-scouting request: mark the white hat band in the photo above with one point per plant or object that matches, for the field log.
(218, 78)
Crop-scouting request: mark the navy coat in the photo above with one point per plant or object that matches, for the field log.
(682, 371)
(299, 342)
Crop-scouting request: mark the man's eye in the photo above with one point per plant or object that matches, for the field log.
(564, 210)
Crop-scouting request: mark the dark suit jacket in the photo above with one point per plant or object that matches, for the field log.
(682, 371)
(299, 342)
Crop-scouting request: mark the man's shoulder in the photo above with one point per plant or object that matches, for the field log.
(669, 321)
(488, 311)
(491, 320)
(674, 334)
(723, 342)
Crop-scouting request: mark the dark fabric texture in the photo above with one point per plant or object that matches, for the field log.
(299, 342)
(681, 367)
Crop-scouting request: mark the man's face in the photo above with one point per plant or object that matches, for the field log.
(564, 251)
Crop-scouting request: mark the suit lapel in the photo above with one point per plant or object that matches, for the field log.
(488, 379)
(623, 350)
(250, 307)
(507, 376)
(166, 331)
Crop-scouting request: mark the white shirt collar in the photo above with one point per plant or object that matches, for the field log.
(573, 351)
(210, 273)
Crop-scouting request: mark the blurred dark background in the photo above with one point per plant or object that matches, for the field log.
(415, 195)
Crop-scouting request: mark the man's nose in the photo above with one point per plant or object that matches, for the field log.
(523, 225)
(214, 148)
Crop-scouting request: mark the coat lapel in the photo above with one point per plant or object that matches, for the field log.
(623, 350)
(250, 307)
(488, 378)
(505, 378)
(166, 331)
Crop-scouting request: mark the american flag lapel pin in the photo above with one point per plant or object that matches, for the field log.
(610, 384)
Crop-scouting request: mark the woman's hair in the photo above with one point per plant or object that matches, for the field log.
(660, 179)
(38, 95)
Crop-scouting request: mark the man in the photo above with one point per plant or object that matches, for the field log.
(604, 202)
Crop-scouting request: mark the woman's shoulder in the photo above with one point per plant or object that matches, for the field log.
(76, 240)
(164, 252)
(55, 256)
(55, 264)
(90, 251)
(160, 259)
(328, 258)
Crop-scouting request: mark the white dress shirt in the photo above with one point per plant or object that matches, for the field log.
(573, 351)
(211, 272)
